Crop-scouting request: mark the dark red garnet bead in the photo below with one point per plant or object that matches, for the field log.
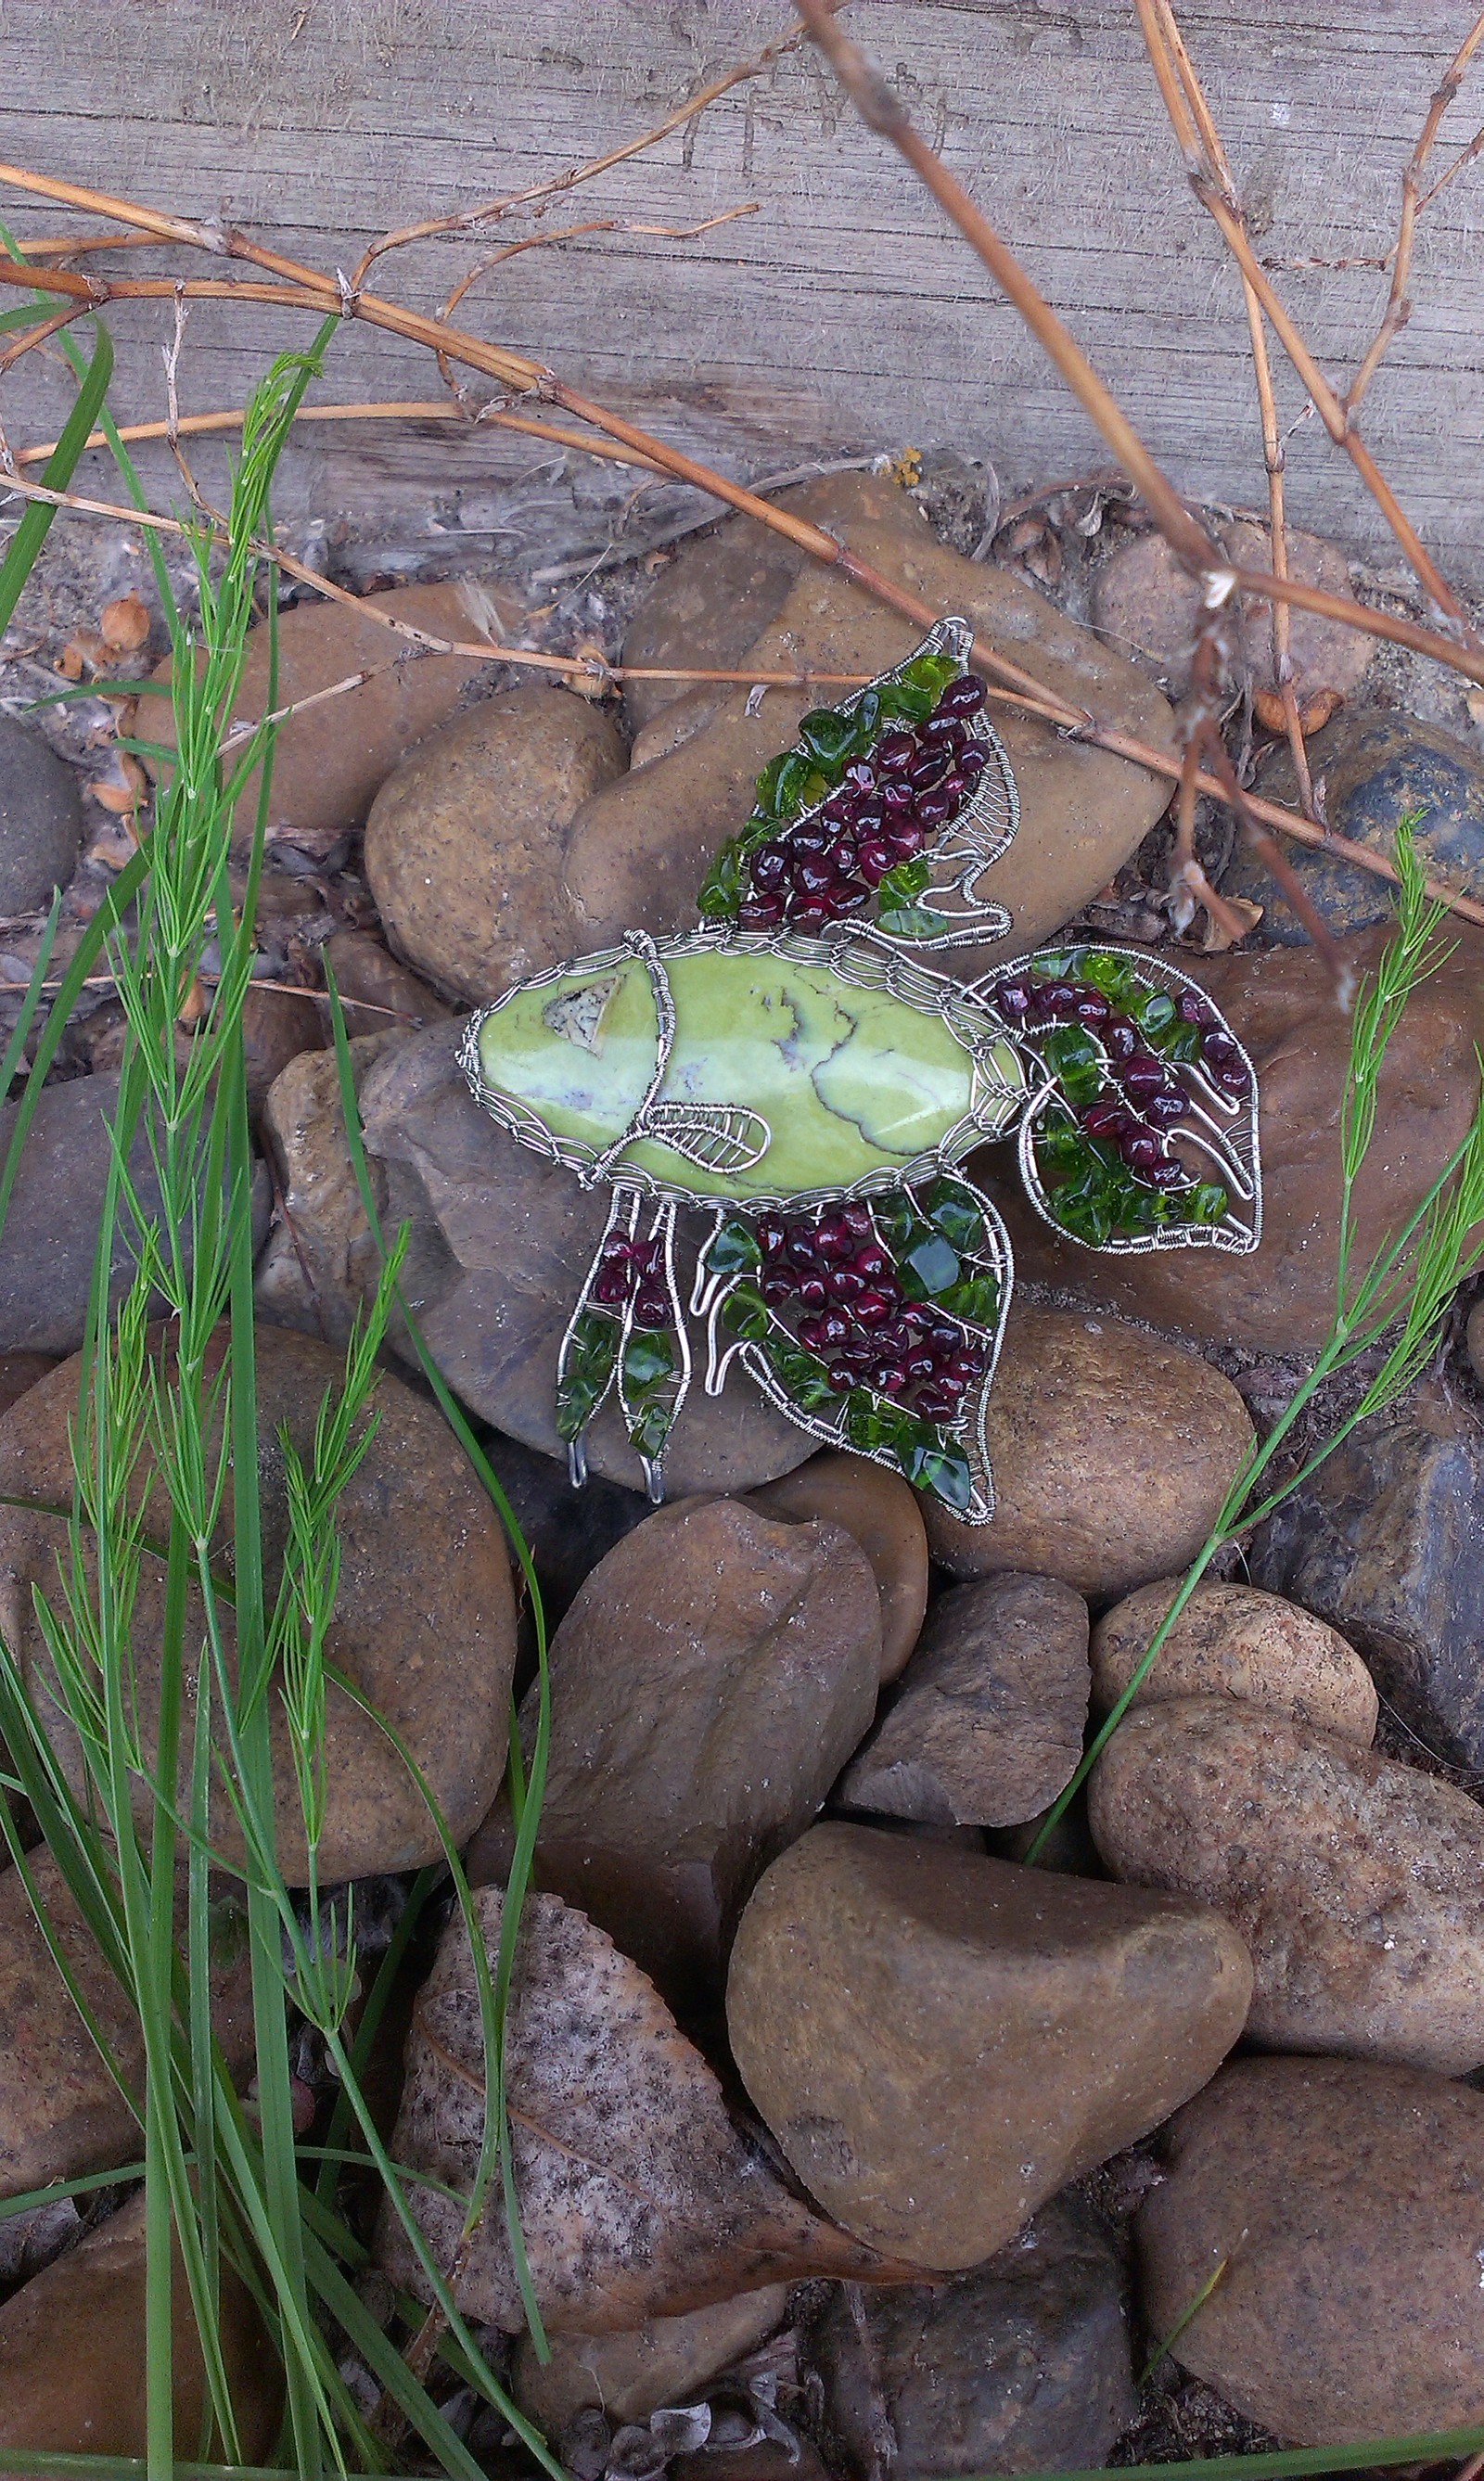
(871, 1260)
(777, 1287)
(907, 839)
(815, 836)
(963, 696)
(761, 912)
(870, 1308)
(1012, 998)
(973, 759)
(1192, 1010)
(1143, 1075)
(895, 751)
(1168, 1174)
(943, 731)
(832, 1238)
(611, 1287)
(1105, 1117)
(1231, 1077)
(813, 1291)
(771, 866)
(1121, 1038)
(862, 774)
(651, 1308)
(873, 861)
(955, 791)
(846, 1283)
(1051, 1001)
(1141, 1147)
(851, 895)
(1169, 1105)
(897, 797)
(809, 915)
(869, 814)
(928, 770)
(932, 808)
(772, 1235)
(840, 1377)
(857, 1221)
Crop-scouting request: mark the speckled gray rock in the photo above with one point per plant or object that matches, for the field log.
(1346, 2202)
(1357, 1884)
(987, 1726)
(1236, 1641)
(1022, 2365)
(40, 819)
(939, 2042)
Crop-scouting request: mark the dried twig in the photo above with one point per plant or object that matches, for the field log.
(1162, 29)
(1399, 301)
(1206, 180)
(541, 192)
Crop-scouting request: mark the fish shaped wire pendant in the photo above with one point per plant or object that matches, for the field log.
(784, 1103)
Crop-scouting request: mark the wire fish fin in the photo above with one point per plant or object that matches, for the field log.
(1140, 1131)
(627, 1332)
(714, 1137)
(885, 814)
(906, 1385)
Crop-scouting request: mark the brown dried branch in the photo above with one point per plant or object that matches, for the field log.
(882, 111)
(1398, 301)
(1213, 195)
(1161, 31)
(433, 410)
(541, 192)
(38, 334)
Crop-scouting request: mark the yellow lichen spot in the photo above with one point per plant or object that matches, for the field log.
(907, 468)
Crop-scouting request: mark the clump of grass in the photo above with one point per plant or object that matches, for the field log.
(1400, 1300)
(138, 1827)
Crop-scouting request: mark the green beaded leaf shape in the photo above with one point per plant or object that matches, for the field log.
(894, 1364)
(627, 1334)
(907, 877)
(1142, 1129)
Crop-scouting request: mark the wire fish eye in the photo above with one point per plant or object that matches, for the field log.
(578, 1015)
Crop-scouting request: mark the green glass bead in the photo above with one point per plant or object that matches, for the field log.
(943, 1471)
(649, 1358)
(734, 1247)
(905, 882)
(956, 1217)
(1209, 1203)
(1073, 1058)
(913, 922)
(829, 736)
(935, 1264)
(746, 1312)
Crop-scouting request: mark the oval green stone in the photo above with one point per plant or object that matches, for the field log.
(834, 1082)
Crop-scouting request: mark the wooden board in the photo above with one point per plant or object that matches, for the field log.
(843, 316)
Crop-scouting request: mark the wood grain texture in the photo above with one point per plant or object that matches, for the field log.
(842, 315)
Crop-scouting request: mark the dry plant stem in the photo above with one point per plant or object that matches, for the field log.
(1197, 714)
(1275, 861)
(1398, 304)
(419, 410)
(39, 336)
(1212, 191)
(1274, 454)
(882, 111)
(541, 191)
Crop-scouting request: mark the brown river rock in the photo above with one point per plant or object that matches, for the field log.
(1344, 2203)
(424, 1621)
(1281, 1298)
(328, 762)
(938, 2041)
(1357, 1884)
(709, 1681)
(73, 2354)
(463, 844)
(637, 852)
(987, 1724)
(885, 1515)
(61, 2109)
(1111, 1454)
(1236, 1641)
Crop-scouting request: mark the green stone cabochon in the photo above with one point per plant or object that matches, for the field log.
(850, 1082)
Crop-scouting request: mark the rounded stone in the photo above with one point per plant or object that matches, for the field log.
(1357, 1884)
(73, 2354)
(885, 1516)
(40, 819)
(424, 1621)
(1377, 767)
(1111, 1454)
(988, 1724)
(463, 844)
(1236, 1641)
(1148, 606)
(713, 1675)
(330, 760)
(1342, 2202)
(1021, 2365)
(938, 2041)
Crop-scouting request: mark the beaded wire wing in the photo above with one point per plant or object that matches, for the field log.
(848, 1260)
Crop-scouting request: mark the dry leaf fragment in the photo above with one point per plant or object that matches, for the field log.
(124, 797)
(1268, 709)
(1215, 940)
(588, 681)
(639, 2195)
(69, 663)
(125, 624)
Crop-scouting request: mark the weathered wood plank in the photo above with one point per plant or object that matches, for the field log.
(842, 315)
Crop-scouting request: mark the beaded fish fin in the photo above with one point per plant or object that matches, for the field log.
(874, 1325)
(627, 1331)
(885, 814)
(1141, 1128)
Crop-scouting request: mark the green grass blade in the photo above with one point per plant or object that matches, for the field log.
(36, 519)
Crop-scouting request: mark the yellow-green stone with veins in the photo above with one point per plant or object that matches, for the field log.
(848, 1082)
